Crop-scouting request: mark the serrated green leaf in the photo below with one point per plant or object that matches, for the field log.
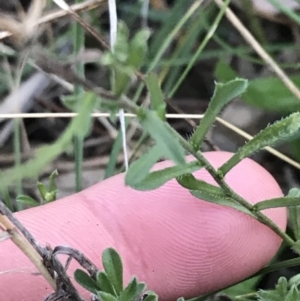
(158, 178)
(165, 139)
(223, 94)
(279, 131)
(295, 280)
(113, 267)
(277, 203)
(132, 291)
(156, 96)
(25, 199)
(86, 281)
(293, 294)
(103, 296)
(210, 193)
(140, 168)
(104, 283)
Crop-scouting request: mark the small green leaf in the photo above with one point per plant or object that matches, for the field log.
(138, 48)
(164, 138)
(104, 283)
(210, 193)
(86, 281)
(42, 189)
(27, 200)
(132, 291)
(156, 96)
(52, 185)
(279, 131)
(294, 213)
(158, 178)
(88, 103)
(140, 168)
(282, 287)
(103, 296)
(223, 94)
(276, 203)
(151, 296)
(113, 267)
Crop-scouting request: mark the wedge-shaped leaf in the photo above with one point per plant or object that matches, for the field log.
(103, 296)
(113, 267)
(165, 139)
(295, 280)
(277, 202)
(158, 178)
(294, 213)
(223, 94)
(133, 290)
(157, 99)
(207, 192)
(282, 286)
(140, 168)
(279, 131)
(104, 283)
(86, 281)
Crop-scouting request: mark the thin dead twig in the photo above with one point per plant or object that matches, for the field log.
(85, 6)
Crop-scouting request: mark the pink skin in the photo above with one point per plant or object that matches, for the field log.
(177, 244)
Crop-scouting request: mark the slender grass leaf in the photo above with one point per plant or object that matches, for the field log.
(294, 213)
(279, 131)
(223, 94)
(27, 200)
(277, 203)
(156, 96)
(104, 283)
(210, 193)
(86, 281)
(165, 139)
(140, 168)
(158, 178)
(296, 247)
(113, 267)
(103, 296)
(132, 291)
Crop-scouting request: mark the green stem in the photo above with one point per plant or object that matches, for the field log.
(17, 155)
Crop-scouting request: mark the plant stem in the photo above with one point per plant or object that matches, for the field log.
(221, 182)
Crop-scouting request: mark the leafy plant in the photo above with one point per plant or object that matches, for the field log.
(108, 284)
